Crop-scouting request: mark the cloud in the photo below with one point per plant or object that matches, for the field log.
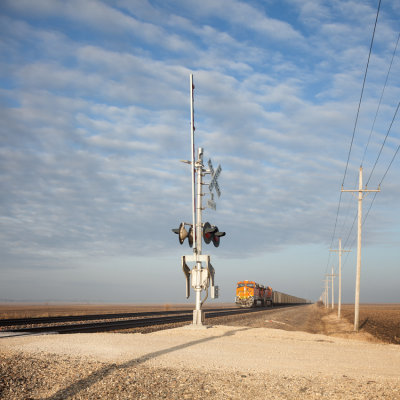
(246, 16)
(96, 119)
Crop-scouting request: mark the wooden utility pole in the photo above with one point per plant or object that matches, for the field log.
(360, 191)
(326, 293)
(332, 275)
(333, 291)
(340, 251)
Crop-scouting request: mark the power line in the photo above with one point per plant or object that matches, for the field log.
(384, 175)
(372, 202)
(380, 183)
(362, 92)
(351, 230)
(380, 100)
(355, 125)
(383, 144)
(334, 230)
(390, 164)
(347, 214)
(386, 80)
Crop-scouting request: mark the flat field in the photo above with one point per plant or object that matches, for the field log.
(380, 320)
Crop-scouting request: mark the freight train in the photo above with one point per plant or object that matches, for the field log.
(250, 293)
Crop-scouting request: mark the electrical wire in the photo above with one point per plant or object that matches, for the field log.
(334, 230)
(394, 116)
(380, 183)
(380, 100)
(355, 125)
(369, 138)
(372, 202)
(362, 92)
(383, 144)
(347, 213)
(351, 229)
(390, 164)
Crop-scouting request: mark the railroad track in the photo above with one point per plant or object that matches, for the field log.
(90, 317)
(113, 321)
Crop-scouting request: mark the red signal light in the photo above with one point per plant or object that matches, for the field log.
(211, 233)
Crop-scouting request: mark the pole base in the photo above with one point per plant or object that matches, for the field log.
(198, 317)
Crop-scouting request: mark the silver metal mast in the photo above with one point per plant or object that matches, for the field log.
(198, 316)
(199, 277)
(192, 129)
(197, 167)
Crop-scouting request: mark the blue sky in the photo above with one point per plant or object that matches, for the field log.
(95, 113)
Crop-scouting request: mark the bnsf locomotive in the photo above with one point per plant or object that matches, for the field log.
(250, 293)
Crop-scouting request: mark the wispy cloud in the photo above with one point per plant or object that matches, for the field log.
(95, 116)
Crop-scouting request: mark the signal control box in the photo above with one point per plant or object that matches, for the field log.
(214, 292)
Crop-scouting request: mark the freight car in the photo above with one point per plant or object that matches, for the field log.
(250, 293)
(282, 299)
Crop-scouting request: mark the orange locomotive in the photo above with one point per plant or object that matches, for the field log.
(249, 293)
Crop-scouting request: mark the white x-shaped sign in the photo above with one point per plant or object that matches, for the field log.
(214, 176)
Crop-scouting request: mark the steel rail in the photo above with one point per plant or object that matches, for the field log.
(129, 324)
(93, 317)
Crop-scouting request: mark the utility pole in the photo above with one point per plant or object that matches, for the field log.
(361, 192)
(326, 296)
(340, 251)
(326, 293)
(332, 275)
(333, 292)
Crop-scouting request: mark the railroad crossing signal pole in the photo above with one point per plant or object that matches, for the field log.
(193, 168)
(198, 317)
(197, 166)
(361, 192)
(199, 277)
(340, 251)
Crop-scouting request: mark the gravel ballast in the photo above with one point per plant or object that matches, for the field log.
(221, 362)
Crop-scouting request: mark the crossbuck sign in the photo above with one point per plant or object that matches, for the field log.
(214, 176)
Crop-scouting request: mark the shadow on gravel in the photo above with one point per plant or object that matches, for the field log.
(97, 376)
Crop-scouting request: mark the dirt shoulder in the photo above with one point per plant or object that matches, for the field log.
(309, 318)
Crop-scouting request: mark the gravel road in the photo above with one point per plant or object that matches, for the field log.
(246, 358)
